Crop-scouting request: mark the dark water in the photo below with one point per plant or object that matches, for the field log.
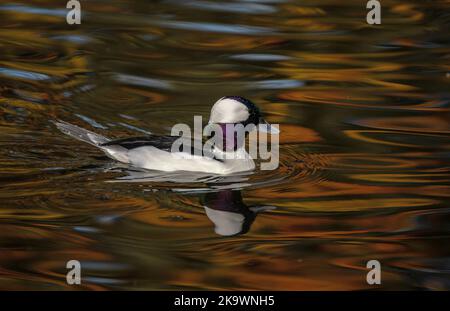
(364, 172)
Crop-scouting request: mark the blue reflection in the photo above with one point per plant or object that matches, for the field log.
(215, 27)
(234, 7)
(22, 74)
(143, 81)
(33, 10)
(91, 121)
(279, 84)
(260, 57)
(73, 38)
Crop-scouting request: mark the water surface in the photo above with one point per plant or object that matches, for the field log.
(364, 167)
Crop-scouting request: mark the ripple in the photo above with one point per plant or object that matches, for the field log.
(364, 144)
(260, 57)
(103, 281)
(80, 39)
(393, 138)
(91, 122)
(218, 28)
(294, 167)
(240, 7)
(425, 124)
(135, 128)
(86, 229)
(22, 74)
(143, 81)
(33, 10)
(277, 84)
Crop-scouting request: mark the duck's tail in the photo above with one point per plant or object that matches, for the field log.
(115, 152)
(81, 133)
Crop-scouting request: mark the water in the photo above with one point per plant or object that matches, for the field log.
(364, 168)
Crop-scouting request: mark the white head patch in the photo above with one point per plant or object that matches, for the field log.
(228, 110)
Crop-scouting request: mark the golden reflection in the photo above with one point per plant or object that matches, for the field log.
(363, 113)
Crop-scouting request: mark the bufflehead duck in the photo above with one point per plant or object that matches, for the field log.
(154, 152)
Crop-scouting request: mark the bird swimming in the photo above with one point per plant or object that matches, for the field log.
(155, 152)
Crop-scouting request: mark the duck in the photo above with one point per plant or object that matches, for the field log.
(155, 152)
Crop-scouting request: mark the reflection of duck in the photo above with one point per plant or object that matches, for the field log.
(221, 198)
(155, 152)
(229, 213)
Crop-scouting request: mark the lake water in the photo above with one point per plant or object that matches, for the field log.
(364, 156)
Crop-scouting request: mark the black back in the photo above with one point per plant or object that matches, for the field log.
(162, 142)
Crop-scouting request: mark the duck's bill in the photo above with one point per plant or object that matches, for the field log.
(266, 127)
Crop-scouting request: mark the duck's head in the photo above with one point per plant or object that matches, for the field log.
(239, 110)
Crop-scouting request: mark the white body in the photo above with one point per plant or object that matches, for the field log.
(153, 158)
